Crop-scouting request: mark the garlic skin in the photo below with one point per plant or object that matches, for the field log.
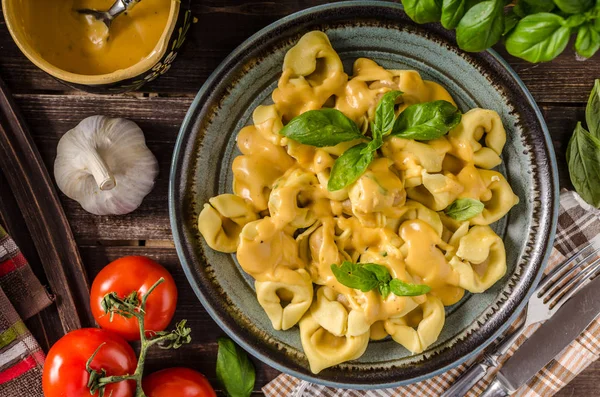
(104, 164)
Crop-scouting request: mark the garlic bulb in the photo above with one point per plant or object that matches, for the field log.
(104, 164)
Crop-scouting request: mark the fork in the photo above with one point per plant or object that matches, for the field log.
(552, 292)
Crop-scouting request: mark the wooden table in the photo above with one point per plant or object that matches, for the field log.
(560, 87)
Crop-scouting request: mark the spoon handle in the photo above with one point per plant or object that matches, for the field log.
(129, 3)
(120, 6)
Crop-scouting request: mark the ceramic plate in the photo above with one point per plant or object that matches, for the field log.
(380, 31)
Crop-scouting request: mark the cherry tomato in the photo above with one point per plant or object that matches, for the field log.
(64, 370)
(128, 274)
(177, 382)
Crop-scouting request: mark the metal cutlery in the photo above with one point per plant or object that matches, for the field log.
(546, 342)
(106, 17)
(554, 291)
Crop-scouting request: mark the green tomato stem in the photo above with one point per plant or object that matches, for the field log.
(145, 344)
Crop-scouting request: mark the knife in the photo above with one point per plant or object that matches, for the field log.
(547, 341)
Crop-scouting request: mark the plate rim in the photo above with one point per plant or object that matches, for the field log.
(178, 235)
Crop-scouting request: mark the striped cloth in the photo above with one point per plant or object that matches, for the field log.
(577, 224)
(21, 296)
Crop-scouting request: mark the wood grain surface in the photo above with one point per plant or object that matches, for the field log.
(50, 109)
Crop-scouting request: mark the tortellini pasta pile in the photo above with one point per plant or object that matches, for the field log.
(288, 229)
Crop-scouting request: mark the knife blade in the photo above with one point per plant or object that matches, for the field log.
(548, 340)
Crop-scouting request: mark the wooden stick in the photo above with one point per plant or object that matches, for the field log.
(44, 216)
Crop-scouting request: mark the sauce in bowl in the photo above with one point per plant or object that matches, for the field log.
(80, 44)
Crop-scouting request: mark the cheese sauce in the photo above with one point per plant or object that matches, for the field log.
(81, 44)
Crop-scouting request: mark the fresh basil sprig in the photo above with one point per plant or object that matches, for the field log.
(355, 161)
(349, 167)
(454, 10)
(534, 30)
(588, 40)
(539, 37)
(592, 110)
(423, 11)
(385, 115)
(235, 371)
(482, 26)
(329, 127)
(463, 209)
(528, 7)
(369, 276)
(583, 152)
(426, 121)
(400, 288)
(320, 128)
(574, 6)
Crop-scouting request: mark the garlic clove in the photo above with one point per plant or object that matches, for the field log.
(104, 164)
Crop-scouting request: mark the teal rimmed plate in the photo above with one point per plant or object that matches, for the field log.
(381, 31)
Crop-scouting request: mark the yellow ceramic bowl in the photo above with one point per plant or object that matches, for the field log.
(128, 78)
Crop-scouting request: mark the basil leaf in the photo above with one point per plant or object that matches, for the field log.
(349, 167)
(353, 275)
(375, 144)
(384, 289)
(587, 42)
(592, 110)
(400, 288)
(385, 113)
(481, 27)
(464, 208)
(583, 158)
(510, 21)
(528, 7)
(426, 121)
(381, 272)
(538, 38)
(235, 371)
(574, 6)
(452, 12)
(323, 127)
(423, 11)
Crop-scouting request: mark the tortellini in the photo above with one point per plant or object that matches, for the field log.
(419, 329)
(289, 196)
(502, 198)
(312, 73)
(286, 298)
(288, 229)
(221, 221)
(263, 249)
(323, 349)
(465, 138)
(480, 260)
(378, 193)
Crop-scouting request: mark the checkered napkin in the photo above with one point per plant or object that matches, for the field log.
(577, 224)
(21, 296)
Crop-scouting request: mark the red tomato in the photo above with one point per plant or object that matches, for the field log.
(177, 382)
(128, 274)
(64, 370)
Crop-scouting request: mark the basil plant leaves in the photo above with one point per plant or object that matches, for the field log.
(534, 30)
(583, 152)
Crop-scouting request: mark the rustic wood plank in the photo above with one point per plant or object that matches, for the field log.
(212, 38)
(38, 202)
(201, 354)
